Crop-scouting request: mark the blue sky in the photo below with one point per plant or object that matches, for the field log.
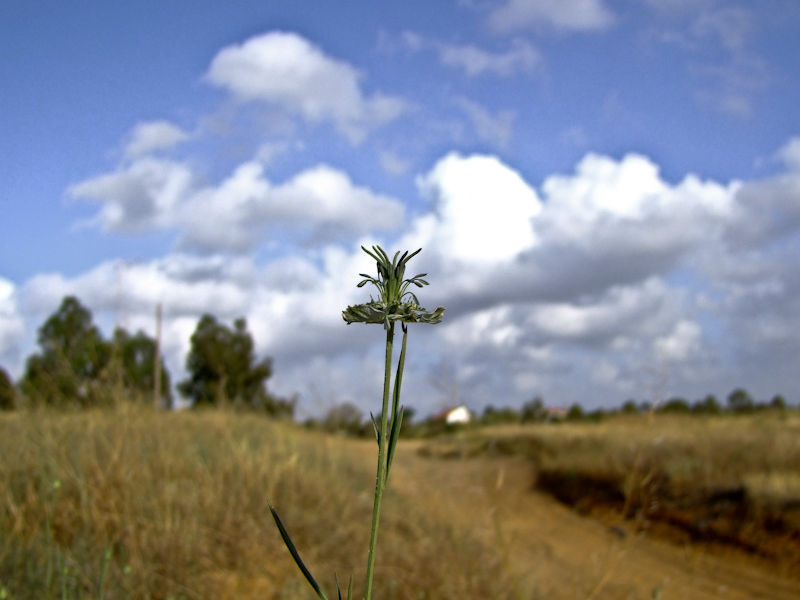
(603, 190)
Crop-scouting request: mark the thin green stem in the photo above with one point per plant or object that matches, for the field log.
(380, 481)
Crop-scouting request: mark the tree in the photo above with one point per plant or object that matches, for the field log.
(73, 355)
(740, 401)
(575, 413)
(493, 415)
(136, 354)
(222, 368)
(345, 417)
(675, 405)
(533, 411)
(778, 402)
(8, 393)
(708, 405)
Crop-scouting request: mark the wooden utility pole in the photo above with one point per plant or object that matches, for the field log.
(157, 359)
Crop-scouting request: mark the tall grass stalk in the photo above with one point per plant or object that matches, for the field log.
(394, 304)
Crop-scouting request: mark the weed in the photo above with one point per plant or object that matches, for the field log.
(394, 304)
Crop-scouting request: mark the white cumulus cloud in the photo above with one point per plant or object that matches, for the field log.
(483, 210)
(577, 288)
(138, 197)
(154, 194)
(286, 70)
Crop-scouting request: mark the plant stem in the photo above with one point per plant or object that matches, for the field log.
(380, 481)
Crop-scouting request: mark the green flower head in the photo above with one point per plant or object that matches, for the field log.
(395, 302)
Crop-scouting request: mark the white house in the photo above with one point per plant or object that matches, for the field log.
(459, 415)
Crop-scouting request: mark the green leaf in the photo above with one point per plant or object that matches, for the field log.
(293, 551)
(375, 427)
(350, 589)
(397, 423)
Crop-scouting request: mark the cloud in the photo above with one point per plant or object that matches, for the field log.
(286, 70)
(318, 203)
(494, 129)
(521, 57)
(151, 136)
(730, 26)
(730, 87)
(610, 223)
(768, 210)
(292, 305)
(394, 164)
(483, 211)
(12, 324)
(729, 73)
(474, 61)
(576, 288)
(139, 197)
(562, 15)
(790, 154)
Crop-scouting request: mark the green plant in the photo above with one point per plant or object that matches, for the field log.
(394, 304)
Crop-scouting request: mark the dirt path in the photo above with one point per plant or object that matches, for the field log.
(554, 553)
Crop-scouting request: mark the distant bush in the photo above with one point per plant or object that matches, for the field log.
(8, 393)
(778, 402)
(675, 405)
(575, 413)
(533, 411)
(345, 418)
(739, 401)
(707, 405)
(492, 415)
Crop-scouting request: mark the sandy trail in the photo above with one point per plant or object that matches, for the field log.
(554, 553)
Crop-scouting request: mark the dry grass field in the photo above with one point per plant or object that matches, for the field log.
(129, 503)
(134, 504)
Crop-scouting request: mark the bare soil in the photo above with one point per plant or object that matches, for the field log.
(551, 551)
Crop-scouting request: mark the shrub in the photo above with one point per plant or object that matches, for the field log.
(8, 393)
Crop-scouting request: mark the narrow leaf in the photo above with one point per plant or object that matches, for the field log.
(338, 591)
(370, 253)
(350, 589)
(397, 423)
(375, 427)
(396, 418)
(293, 551)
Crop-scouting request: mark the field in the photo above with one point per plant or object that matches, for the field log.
(128, 503)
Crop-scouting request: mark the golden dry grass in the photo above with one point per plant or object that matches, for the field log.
(129, 503)
(696, 452)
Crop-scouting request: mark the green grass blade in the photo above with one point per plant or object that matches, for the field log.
(287, 540)
(350, 589)
(103, 571)
(338, 589)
